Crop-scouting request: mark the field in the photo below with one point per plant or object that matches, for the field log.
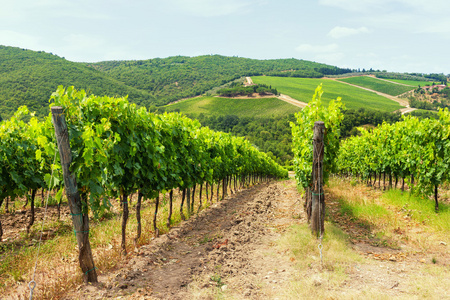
(413, 83)
(302, 89)
(255, 107)
(378, 85)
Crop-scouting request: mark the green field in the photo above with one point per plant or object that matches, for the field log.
(262, 107)
(413, 83)
(378, 85)
(302, 89)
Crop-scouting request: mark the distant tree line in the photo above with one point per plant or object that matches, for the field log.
(412, 76)
(437, 77)
(239, 90)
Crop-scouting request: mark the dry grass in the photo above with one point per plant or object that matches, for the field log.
(316, 280)
(393, 215)
(350, 274)
(57, 268)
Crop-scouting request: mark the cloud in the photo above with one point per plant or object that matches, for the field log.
(417, 8)
(308, 48)
(32, 10)
(323, 53)
(439, 27)
(330, 58)
(340, 32)
(355, 5)
(212, 8)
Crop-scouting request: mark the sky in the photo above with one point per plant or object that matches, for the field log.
(393, 35)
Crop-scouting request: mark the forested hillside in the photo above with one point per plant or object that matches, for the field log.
(29, 78)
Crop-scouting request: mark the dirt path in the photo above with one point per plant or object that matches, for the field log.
(292, 101)
(224, 248)
(407, 110)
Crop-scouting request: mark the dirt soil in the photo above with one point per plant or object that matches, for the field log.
(223, 248)
(14, 224)
(292, 101)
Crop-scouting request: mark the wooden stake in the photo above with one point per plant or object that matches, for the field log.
(318, 200)
(80, 219)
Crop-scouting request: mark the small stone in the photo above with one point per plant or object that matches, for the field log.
(317, 280)
(224, 288)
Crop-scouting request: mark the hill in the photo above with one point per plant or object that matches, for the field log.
(178, 77)
(380, 85)
(29, 78)
(303, 88)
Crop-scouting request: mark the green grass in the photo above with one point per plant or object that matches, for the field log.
(413, 83)
(262, 107)
(378, 85)
(368, 211)
(302, 89)
(386, 210)
(421, 209)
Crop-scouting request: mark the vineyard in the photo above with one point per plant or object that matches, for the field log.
(118, 150)
(353, 97)
(413, 150)
(383, 86)
(131, 170)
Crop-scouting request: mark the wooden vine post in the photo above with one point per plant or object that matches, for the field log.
(317, 195)
(80, 219)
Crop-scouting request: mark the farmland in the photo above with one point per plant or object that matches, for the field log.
(413, 83)
(252, 107)
(353, 97)
(379, 85)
